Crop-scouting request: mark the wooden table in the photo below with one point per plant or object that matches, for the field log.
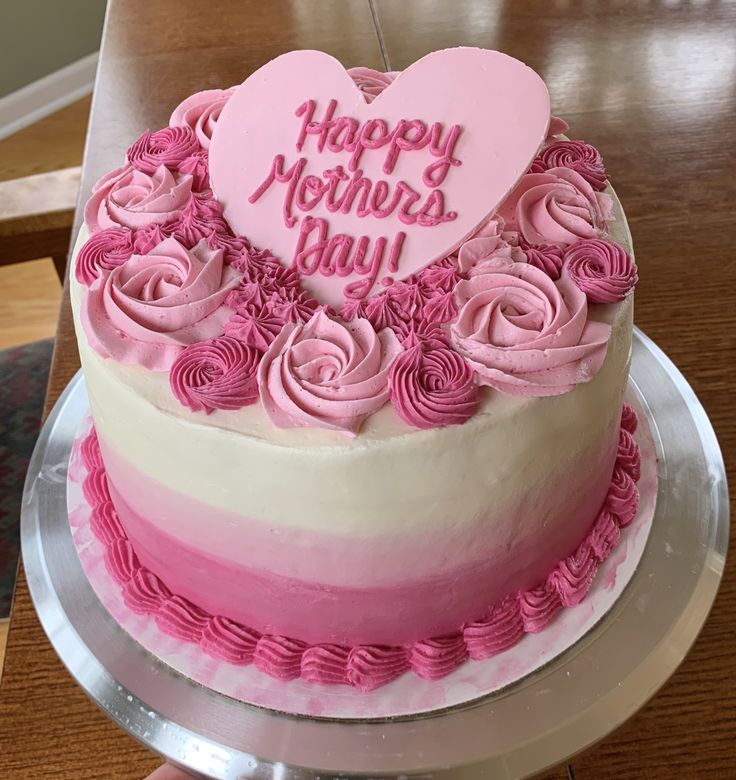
(652, 85)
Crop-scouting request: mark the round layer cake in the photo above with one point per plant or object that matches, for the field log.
(385, 468)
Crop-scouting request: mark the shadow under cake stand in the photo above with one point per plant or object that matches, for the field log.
(539, 721)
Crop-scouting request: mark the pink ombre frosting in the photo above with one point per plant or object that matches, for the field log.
(526, 334)
(200, 112)
(432, 386)
(148, 309)
(556, 207)
(326, 374)
(131, 198)
(366, 667)
(216, 374)
(371, 82)
(603, 270)
(169, 147)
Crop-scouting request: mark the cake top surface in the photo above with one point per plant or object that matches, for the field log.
(325, 243)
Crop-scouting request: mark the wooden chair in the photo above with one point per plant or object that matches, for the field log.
(36, 216)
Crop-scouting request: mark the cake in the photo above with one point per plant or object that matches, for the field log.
(357, 377)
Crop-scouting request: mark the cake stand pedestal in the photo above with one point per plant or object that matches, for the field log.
(538, 722)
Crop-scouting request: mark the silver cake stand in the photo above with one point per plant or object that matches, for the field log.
(538, 722)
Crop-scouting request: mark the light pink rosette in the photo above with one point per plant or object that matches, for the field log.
(326, 374)
(169, 146)
(432, 386)
(215, 374)
(371, 82)
(147, 310)
(103, 252)
(200, 112)
(580, 157)
(480, 253)
(603, 270)
(134, 199)
(556, 207)
(525, 334)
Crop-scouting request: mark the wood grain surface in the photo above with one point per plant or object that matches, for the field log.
(654, 86)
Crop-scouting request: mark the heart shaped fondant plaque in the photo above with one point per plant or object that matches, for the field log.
(356, 195)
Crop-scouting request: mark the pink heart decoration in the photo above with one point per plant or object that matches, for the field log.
(357, 195)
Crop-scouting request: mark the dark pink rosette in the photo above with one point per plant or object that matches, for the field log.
(217, 374)
(371, 82)
(556, 207)
(197, 166)
(603, 270)
(200, 112)
(578, 156)
(525, 334)
(147, 310)
(102, 252)
(432, 386)
(134, 199)
(326, 374)
(546, 257)
(169, 147)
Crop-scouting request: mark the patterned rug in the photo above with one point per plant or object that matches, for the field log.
(23, 376)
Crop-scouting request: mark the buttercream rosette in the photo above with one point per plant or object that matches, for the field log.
(133, 199)
(220, 373)
(200, 113)
(603, 270)
(327, 374)
(102, 252)
(169, 146)
(431, 385)
(371, 82)
(145, 311)
(556, 207)
(525, 334)
(576, 155)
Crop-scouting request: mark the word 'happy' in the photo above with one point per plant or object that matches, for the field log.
(346, 190)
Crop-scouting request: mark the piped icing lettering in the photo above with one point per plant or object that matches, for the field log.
(423, 157)
(345, 189)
